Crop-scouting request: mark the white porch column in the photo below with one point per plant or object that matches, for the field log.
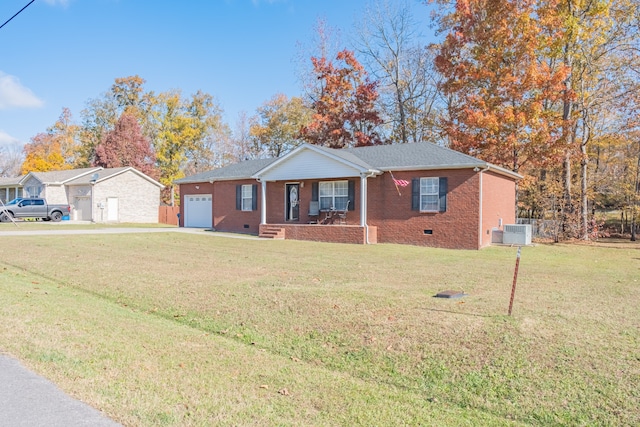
(363, 200)
(263, 203)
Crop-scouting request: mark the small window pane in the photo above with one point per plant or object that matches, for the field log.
(341, 188)
(247, 197)
(429, 203)
(326, 189)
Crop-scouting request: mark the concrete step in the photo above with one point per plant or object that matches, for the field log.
(272, 233)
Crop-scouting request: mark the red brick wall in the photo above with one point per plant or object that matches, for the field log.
(389, 213)
(329, 233)
(225, 215)
(457, 228)
(498, 203)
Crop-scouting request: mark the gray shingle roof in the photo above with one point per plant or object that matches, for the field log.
(240, 170)
(5, 182)
(422, 155)
(61, 177)
(415, 156)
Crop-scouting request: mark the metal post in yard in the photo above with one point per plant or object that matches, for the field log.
(515, 280)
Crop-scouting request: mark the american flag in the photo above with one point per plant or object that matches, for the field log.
(401, 182)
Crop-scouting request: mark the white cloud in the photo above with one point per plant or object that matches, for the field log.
(6, 139)
(14, 95)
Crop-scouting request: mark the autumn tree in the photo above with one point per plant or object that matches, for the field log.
(490, 62)
(394, 53)
(11, 159)
(102, 113)
(57, 149)
(344, 109)
(277, 127)
(243, 145)
(211, 137)
(43, 154)
(126, 146)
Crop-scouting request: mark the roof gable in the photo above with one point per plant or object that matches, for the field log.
(105, 174)
(58, 177)
(309, 161)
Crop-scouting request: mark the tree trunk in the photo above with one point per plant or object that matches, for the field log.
(584, 202)
(634, 204)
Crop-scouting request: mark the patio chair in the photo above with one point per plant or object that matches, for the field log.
(314, 212)
(342, 215)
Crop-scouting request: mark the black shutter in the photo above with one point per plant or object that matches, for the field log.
(352, 195)
(442, 194)
(239, 197)
(415, 194)
(314, 191)
(254, 197)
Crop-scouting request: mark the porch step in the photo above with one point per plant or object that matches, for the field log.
(272, 232)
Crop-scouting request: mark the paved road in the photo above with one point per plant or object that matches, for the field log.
(28, 400)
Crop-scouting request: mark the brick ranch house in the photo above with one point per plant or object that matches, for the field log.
(418, 194)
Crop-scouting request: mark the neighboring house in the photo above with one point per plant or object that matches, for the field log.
(10, 188)
(95, 194)
(419, 194)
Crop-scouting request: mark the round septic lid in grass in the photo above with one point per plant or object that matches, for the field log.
(450, 294)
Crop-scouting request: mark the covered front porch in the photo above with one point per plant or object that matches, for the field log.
(314, 194)
(335, 233)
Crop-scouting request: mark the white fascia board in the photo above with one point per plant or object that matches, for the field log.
(135, 171)
(481, 165)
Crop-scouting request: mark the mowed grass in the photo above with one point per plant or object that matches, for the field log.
(183, 329)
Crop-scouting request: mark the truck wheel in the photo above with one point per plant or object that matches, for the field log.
(56, 216)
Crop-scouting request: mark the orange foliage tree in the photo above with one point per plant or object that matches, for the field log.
(502, 93)
(43, 154)
(344, 110)
(54, 150)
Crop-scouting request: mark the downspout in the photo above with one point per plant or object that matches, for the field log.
(93, 188)
(476, 169)
(213, 204)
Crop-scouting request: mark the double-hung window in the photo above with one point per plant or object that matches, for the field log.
(247, 197)
(333, 194)
(429, 195)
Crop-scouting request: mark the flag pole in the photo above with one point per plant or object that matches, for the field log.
(395, 183)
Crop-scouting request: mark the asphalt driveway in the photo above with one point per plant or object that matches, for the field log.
(29, 400)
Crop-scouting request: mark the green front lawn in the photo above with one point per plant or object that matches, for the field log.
(183, 329)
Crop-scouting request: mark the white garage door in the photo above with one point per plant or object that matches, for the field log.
(197, 211)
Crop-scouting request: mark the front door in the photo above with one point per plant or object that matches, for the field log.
(292, 202)
(112, 209)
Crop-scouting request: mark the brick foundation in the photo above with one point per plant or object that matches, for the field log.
(327, 233)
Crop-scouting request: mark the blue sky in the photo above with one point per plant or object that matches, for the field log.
(61, 53)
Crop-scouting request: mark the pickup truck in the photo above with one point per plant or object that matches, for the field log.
(32, 208)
